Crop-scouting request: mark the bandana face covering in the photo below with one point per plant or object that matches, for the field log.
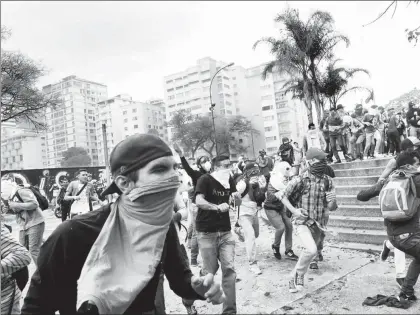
(318, 168)
(222, 176)
(129, 247)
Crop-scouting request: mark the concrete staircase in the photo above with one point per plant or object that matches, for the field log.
(359, 225)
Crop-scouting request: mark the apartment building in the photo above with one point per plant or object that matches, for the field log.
(73, 124)
(280, 115)
(124, 117)
(22, 149)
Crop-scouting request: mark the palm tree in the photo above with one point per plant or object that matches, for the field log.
(335, 83)
(301, 48)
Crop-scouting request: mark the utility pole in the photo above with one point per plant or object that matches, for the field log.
(107, 171)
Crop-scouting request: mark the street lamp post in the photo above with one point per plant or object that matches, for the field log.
(211, 108)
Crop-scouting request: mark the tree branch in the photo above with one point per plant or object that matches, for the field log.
(382, 14)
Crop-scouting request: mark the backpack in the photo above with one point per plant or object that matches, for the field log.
(42, 201)
(398, 198)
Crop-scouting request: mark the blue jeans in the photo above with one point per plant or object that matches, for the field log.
(215, 247)
(32, 240)
(411, 246)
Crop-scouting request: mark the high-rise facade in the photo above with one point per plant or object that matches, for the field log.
(280, 115)
(239, 91)
(18, 146)
(124, 117)
(73, 123)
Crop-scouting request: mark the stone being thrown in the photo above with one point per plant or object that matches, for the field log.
(108, 261)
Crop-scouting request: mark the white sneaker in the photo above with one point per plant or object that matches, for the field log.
(255, 269)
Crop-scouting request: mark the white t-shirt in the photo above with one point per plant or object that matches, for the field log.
(82, 205)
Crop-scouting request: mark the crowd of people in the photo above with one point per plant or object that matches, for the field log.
(114, 260)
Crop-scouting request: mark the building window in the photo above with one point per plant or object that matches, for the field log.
(268, 129)
(21, 158)
(266, 97)
(125, 112)
(125, 120)
(136, 126)
(134, 110)
(171, 97)
(273, 138)
(125, 128)
(268, 118)
(267, 107)
(135, 118)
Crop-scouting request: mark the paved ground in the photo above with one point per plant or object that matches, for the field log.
(344, 280)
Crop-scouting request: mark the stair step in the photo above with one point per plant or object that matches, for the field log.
(350, 190)
(367, 223)
(370, 171)
(352, 200)
(356, 180)
(380, 162)
(358, 211)
(355, 235)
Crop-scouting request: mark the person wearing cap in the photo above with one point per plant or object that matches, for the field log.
(251, 187)
(108, 261)
(215, 239)
(309, 197)
(413, 117)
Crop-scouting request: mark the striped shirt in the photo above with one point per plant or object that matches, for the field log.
(13, 258)
(308, 192)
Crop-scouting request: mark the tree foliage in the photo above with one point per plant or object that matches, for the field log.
(21, 100)
(195, 132)
(76, 156)
(335, 83)
(412, 34)
(300, 50)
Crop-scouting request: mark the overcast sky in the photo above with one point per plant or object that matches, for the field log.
(131, 46)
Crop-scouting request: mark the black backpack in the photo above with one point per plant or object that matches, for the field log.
(42, 201)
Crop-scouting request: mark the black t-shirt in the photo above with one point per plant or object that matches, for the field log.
(215, 193)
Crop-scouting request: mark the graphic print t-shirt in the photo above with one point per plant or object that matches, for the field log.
(215, 193)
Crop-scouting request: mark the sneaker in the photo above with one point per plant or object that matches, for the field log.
(337, 162)
(313, 265)
(291, 255)
(191, 310)
(299, 280)
(194, 263)
(406, 297)
(276, 252)
(385, 251)
(292, 286)
(400, 282)
(255, 269)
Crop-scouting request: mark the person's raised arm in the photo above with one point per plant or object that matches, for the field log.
(27, 200)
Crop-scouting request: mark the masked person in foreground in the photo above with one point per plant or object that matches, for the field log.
(108, 261)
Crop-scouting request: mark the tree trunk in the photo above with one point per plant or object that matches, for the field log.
(307, 99)
(315, 91)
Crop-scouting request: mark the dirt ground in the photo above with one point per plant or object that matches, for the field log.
(344, 279)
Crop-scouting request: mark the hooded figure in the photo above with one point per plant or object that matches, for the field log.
(286, 151)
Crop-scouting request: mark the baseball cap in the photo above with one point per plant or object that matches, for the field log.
(315, 153)
(133, 153)
(359, 106)
(374, 106)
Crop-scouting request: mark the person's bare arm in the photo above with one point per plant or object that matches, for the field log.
(389, 168)
(27, 202)
(204, 204)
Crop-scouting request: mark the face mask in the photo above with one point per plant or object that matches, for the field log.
(155, 198)
(318, 168)
(222, 176)
(8, 188)
(206, 166)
